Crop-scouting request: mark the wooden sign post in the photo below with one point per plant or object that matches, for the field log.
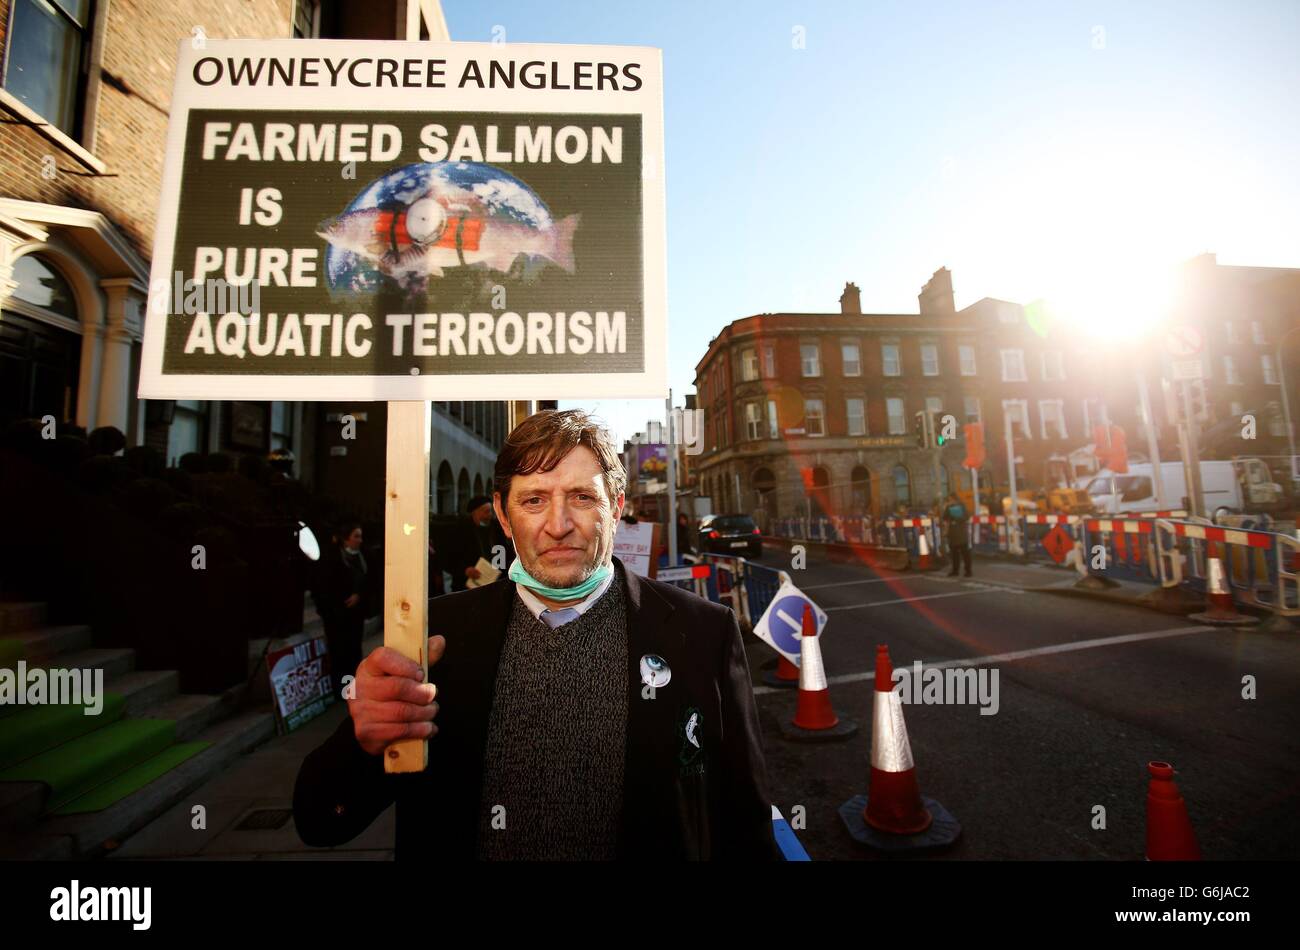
(406, 497)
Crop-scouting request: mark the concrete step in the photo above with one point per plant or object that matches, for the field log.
(144, 688)
(42, 643)
(17, 616)
(96, 833)
(192, 713)
(114, 661)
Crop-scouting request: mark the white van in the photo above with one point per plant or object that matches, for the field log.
(1235, 487)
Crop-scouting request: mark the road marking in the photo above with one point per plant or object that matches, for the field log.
(874, 580)
(1017, 655)
(987, 589)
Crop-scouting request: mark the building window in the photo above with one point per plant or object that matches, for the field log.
(1051, 416)
(1230, 372)
(929, 359)
(1257, 333)
(282, 425)
(857, 416)
(189, 429)
(810, 359)
(967, 354)
(306, 19)
(753, 420)
(1276, 422)
(814, 417)
(852, 359)
(972, 409)
(47, 48)
(1013, 366)
(772, 429)
(749, 364)
(934, 404)
(889, 359)
(897, 422)
(1053, 366)
(1234, 332)
(1236, 410)
(902, 486)
(769, 360)
(1017, 410)
(1266, 364)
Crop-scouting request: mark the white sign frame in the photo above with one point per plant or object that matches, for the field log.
(651, 381)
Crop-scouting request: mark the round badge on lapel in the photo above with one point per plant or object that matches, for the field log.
(655, 671)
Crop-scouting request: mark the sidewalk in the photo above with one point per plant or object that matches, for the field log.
(257, 793)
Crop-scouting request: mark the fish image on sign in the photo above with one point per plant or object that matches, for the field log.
(417, 222)
(781, 625)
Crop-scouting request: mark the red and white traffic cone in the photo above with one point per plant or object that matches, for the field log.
(1169, 830)
(924, 562)
(1219, 608)
(892, 815)
(814, 717)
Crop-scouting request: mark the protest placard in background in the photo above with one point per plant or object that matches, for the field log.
(393, 220)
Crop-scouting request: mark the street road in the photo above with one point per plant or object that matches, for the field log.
(1078, 717)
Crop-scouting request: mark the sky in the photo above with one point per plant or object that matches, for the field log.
(1036, 150)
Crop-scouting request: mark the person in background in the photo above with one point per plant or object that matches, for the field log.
(958, 519)
(339, 595)
(683, 534)
(481, 539)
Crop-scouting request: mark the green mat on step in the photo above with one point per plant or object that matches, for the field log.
(31, 730)
(87, 762)
(133, 779)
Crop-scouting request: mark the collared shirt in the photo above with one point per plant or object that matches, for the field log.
(535, 606)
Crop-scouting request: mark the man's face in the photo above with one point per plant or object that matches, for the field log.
(562, 522)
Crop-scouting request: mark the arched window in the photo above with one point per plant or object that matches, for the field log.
(902, 486)
(478, 484)
(462, 491)
(43, 286)
(860, 488)
(446, 490)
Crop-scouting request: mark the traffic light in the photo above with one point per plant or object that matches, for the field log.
(922, 428)
(974, 432)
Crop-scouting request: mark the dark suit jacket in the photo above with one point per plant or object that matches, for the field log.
(677, 803)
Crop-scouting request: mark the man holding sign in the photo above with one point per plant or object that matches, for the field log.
(580, 713)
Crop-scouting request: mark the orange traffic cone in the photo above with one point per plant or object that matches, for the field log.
(923, 561)
(1169, 830)
(814, 717)
(892, 815)
(785, 676)
(1219, 608)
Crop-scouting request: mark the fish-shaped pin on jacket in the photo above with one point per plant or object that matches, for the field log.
(429, 216)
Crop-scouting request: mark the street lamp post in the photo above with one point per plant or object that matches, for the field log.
(1286, 405)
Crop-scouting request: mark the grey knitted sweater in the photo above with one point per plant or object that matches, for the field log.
(553, 765)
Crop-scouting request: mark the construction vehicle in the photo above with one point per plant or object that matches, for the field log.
(1059, 493)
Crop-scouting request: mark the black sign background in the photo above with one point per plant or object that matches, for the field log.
(607, 245)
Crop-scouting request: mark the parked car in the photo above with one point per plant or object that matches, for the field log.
(731, 534)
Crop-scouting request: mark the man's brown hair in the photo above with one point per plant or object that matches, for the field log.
(544, 439)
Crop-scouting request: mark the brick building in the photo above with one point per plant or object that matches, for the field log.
(85, 88)
(816, 411)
